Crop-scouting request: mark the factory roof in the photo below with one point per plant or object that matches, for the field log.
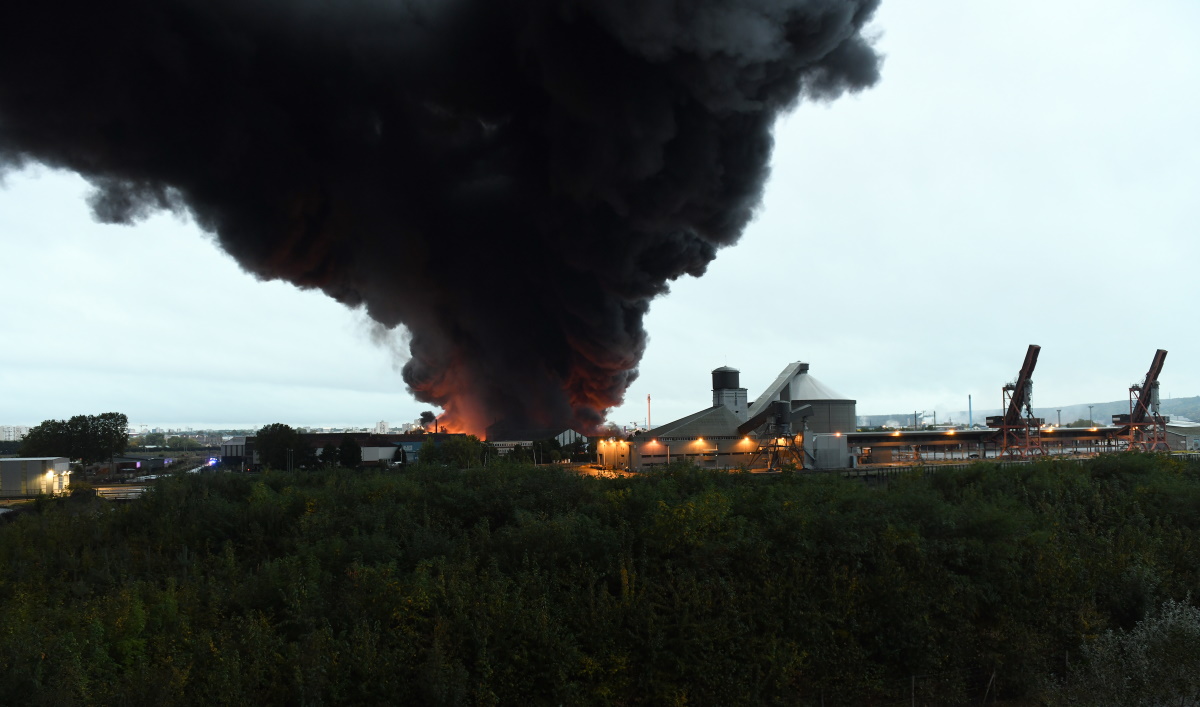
(716, 421)
(803, 387)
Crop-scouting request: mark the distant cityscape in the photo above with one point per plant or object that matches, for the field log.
(12, 433)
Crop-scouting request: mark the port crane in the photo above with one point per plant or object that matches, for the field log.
(1144, 427)
(1020, 432)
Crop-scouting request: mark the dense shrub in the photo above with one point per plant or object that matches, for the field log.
(535, 585)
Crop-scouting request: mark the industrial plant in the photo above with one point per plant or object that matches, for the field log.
(797, 420)
(800, 423)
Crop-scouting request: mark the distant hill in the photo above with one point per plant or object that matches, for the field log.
(1175, 408)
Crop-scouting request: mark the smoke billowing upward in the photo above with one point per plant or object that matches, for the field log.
(511, 181)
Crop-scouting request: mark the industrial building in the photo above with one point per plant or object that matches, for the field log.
(504, 438)
(1018, 434)
(238, 452)
(796, 420)
(34, 476)
(799, 421)
(1183, 436)
(377, 449)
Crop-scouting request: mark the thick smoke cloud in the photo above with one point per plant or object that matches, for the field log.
(511, 181)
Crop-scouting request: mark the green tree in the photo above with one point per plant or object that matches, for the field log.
(350, 454)
(331, 454)
(154, 439)
(464, 452)
(306, 456)
(520, 455)
(49, 439)
(456, 451)
(182, 443)
(273, 443)
(1155, 663)
(111, 429)
(545, 451)
(576, 451)
(88, 438)
(431, 452)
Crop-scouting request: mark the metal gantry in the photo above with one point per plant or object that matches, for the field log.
(778, 444)
(1145, 428)
(1020, 432)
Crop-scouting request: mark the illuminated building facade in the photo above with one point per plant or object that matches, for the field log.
(34, 476)
(717, 437)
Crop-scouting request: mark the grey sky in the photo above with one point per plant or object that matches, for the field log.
(1024, 173)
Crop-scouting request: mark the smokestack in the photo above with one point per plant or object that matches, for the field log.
(512, 182)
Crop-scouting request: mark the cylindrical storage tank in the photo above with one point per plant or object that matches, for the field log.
(831, 412)
(726, 378)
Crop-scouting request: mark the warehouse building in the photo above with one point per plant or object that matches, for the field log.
(505, 438)
(34, 476)
(1183, 435)
(737, 433)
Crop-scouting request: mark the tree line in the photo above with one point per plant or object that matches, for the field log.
(88, 438)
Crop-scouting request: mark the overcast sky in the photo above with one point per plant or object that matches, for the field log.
(1025, 172)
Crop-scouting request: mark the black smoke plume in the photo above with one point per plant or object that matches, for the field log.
(511, 180)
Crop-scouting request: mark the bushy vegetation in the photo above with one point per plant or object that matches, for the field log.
(515, 585)
(1155, 663)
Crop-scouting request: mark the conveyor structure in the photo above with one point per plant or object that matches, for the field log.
(1144, 427)
(1020, 434)
(778, 443)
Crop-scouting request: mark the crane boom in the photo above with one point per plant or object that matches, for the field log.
(1145, 395)
(1022, 388)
